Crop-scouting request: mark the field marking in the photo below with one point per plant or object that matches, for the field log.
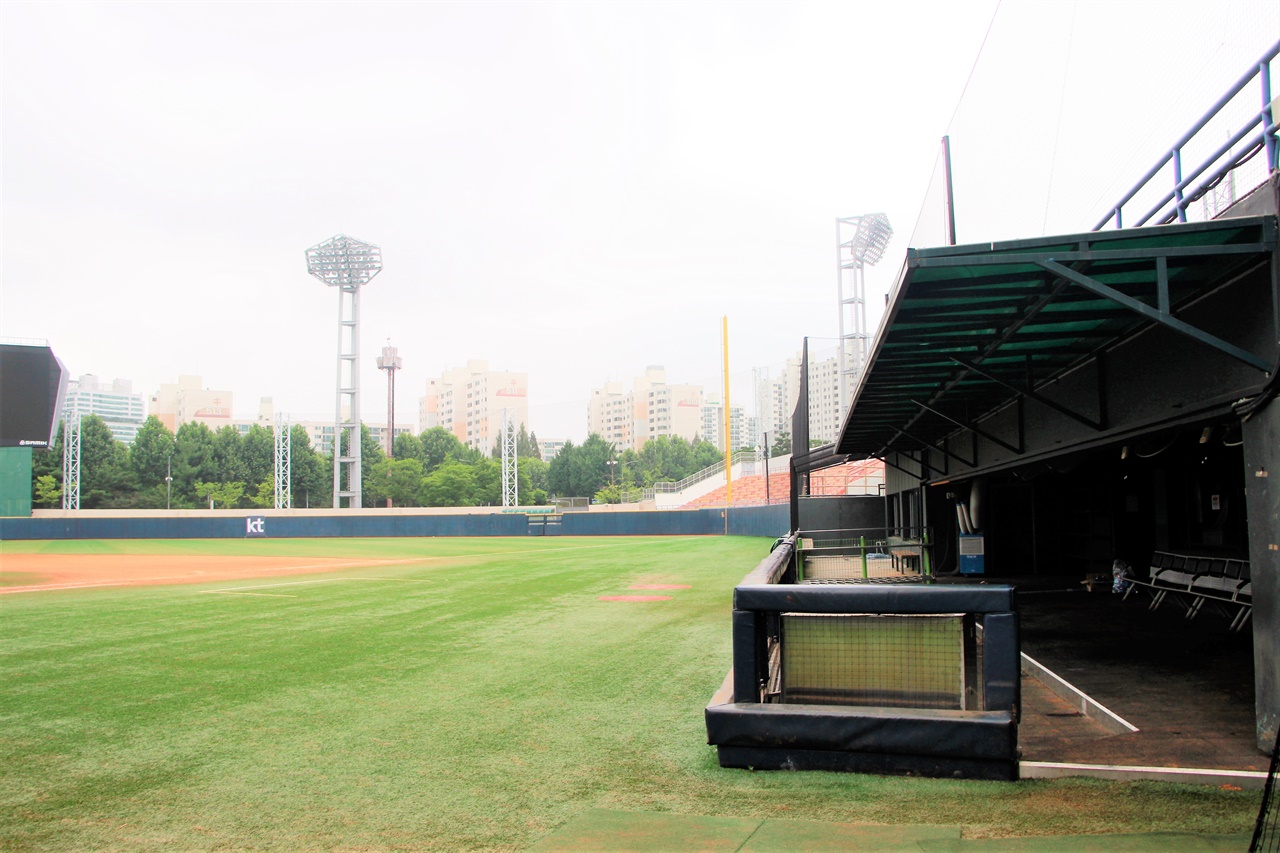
(269, 585)
(259, 594)
(236, 589)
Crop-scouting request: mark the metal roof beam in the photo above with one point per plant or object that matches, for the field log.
(1031, 395)
(1157, 315)
(970, 428)
(1095, 255)
(928, 445)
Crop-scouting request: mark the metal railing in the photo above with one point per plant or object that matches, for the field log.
(707, 473)
(1257, 134)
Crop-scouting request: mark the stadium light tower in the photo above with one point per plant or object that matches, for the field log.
(390, 361)
(346, 264)
(860, 243)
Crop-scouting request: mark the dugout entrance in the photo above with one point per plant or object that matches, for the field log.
(1080, 399)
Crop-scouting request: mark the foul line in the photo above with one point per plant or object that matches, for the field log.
(235, 590)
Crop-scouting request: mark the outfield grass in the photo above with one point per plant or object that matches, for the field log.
(477, 698)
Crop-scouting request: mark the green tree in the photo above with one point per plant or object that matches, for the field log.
(487, 475)
(265, 495)
(48, 492)
(438, 446)
(580, 471)
(193, 462)
(149, 455)
(705, 454)
(527, 444)
(310, 479)
(407, 446)
(227, 494)
(106, 480)
(371, 455)
(228, 460)
(47, 462)
(533, 470)
(781, 443)
(257, 454)
(399, 480)
(558, 470)
(451, 484)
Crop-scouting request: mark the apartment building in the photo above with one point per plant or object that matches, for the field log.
(188, 400)
(777, 395)
(742, 429)
(652, 407)
(122, 410)
(469, 401)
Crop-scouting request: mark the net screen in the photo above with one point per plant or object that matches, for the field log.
(869, 659)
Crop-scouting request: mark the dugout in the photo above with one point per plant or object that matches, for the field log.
(1085, 397)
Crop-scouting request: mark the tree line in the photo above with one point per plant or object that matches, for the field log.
(199, 467)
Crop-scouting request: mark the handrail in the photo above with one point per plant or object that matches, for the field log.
(1260, 69)
(667, 486)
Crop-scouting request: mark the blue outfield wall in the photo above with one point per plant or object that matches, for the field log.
(274, 527)
(747, 521)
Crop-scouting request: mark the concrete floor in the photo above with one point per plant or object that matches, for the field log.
(1187, 686)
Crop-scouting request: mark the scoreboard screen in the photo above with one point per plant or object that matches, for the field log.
(33, 385)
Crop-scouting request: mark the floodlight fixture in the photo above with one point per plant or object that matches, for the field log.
(863, 248)
(347, 264)
(871, 238)
(342, 261)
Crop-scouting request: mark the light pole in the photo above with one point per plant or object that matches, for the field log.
(347, 264)
(168, 479)
(767, 499)
(866, 246)
(613, 484)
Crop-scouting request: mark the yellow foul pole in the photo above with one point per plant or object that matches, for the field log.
(728, 449)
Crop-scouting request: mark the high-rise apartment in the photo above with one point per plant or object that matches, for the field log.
(117, 405)
(742, 429)
(651, 408)
(779, 395)
(468, 401)
(187, 400)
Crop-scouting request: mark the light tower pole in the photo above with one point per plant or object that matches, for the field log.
(346, 264)
(390, 361)
(510, 469)
(865, 237)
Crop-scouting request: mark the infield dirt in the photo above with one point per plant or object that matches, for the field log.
(47, 572)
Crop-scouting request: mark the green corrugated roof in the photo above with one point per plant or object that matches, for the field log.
(994, 306)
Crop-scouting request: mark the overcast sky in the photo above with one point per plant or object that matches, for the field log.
(574, 190)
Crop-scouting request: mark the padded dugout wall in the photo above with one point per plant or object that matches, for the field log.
(751, 731)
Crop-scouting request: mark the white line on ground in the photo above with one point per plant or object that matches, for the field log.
(259, 594)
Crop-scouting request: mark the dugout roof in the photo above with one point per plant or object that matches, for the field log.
(970, 329)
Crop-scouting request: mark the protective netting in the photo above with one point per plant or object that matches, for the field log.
(871, 659)
(1266, 834)
(821, 567)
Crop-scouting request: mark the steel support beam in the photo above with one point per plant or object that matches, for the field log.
(1164, 318)
(1031, 395)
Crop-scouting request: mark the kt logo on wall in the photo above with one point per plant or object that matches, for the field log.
(255, 525)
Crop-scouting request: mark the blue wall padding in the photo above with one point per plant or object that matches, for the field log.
(768, 521)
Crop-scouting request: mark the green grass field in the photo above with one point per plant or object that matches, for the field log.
(478, 697)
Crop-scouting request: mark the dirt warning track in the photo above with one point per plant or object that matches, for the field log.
(48, 572)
